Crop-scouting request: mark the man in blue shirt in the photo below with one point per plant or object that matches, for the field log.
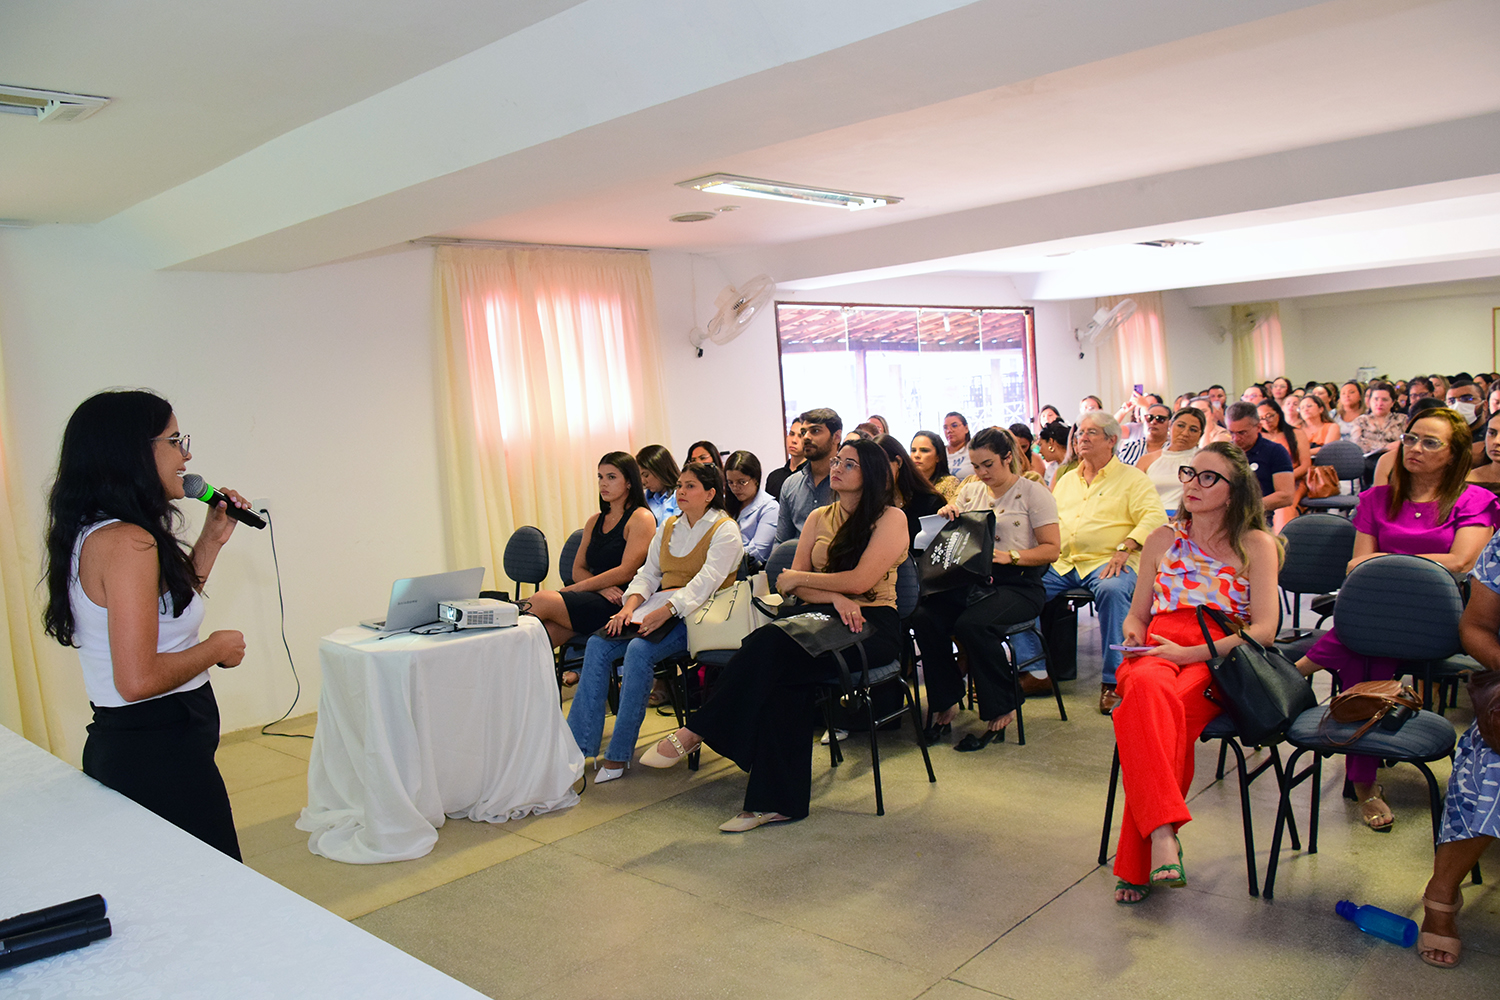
(807, 489)
(1269, 461)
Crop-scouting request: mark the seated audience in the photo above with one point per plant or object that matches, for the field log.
(1419, 387)
(1186, 432)
(1273, 427)
(867, 430)
(1026, 543)
(752, 508)
(911, 492)
(1488, 476)
(1254, 393)
(1107, 510)
(1281, 388)
(1269, 461)
(1027, 443)
(1049, 414)
(1315, 422)
(692, 556)
(808, 488)
(761, 713)
(613, 548)
(956, 429)
(793, 460)
(926, 449)
(1090, 404)
(1429, 511)
(1379, 428)
(1464, 396)
(659, 479)
(1133, 443)
(1388, 460)
(881, 425)
(1158, 420)
(1053, 444)
(1218, 554)
(705, 451)
(1350, 408)
(1213, 432)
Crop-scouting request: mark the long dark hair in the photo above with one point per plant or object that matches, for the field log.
(909, 481)
(710, 478)
(940, 469)
(853, 537)
(658, 461)
(708, 446)
(1285, 429)
(626, 463)
(107, 469)
(747, 464)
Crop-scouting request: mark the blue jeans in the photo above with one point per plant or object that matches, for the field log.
(1111, 600)
(586, 717)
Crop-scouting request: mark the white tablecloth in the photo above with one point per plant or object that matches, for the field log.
(415, 728)
(188, 922)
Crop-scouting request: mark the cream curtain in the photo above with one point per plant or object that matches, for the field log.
(1135, 353)
(548, 360)
(23, 707)
(1258, 354)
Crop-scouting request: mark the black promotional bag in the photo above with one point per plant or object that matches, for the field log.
(963, 553)
(1260, 690)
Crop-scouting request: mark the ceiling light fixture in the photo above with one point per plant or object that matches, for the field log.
(692, 217)
(1170, 243)
(48, 105)
(752, 187)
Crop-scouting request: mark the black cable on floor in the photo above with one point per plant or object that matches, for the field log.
(281, 601)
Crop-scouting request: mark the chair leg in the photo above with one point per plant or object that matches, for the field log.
(1317, 796)
(1249, 827)
(1223, 749)
(835, 754)
(1289, 782)
(1020, 706)
(1291, 818)
(916, 718)
(874, 752)
(1109, 808)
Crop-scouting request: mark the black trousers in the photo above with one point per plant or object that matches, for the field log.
(980, 627)
(761, 714)
(160, 753)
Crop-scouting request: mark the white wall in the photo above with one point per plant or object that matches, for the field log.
(1199, 350)
(1399, 336)
(314, 389)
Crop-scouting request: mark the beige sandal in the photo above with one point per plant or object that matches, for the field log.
(655, 758)
(1437, 942)
(1371, 820)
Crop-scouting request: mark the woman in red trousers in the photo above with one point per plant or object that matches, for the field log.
(1219, 554)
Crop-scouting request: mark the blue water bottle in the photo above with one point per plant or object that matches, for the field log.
(1382, 923)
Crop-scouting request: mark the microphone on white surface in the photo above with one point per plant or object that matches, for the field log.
(194, 486)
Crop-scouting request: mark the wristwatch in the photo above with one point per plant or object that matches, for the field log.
(1015, 557)
(1123, 547)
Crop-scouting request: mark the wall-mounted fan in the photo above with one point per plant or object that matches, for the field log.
(1103, 322)
(737, 306)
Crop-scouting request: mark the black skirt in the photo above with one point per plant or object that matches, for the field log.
(160, 754)
(587, 610)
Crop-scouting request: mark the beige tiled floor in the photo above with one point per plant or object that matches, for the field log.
(984, 884)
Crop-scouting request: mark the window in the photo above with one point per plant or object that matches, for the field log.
(910, 364)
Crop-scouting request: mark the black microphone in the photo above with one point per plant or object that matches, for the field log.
(22, 948)
(88, 908)
(194, 486)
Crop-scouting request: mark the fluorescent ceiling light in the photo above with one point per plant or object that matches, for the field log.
(751, 187)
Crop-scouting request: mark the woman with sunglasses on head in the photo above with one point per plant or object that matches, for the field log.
(129, 596)
(1185, 437)
(1427, 510)
(760, 715)
(1220, 554)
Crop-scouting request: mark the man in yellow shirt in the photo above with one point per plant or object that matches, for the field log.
(1106, 510)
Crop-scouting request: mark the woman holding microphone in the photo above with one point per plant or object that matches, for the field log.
(129, 596)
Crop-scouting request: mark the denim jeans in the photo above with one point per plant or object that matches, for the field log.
(586, 717)
(1111, 600)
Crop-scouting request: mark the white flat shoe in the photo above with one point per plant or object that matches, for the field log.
(749, 821)
(603, 774)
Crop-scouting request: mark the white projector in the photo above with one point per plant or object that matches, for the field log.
(478, 612)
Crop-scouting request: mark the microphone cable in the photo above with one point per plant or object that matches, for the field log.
(281, 602)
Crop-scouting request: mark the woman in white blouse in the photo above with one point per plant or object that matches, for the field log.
(750, 505)
(693, 556)
(1183, 438)
(1027, 541)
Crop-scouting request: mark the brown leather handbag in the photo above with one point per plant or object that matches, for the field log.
(1369, 702)
(1484, 692)
(1322, 482)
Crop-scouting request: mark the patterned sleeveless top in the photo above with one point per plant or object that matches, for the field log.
(1188, 577)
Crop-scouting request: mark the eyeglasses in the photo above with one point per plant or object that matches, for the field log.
(843, 463)
(1423, 443)
(1207, 478)
(183, 442)
(1156, 418)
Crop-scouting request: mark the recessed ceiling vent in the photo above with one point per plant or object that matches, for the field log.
(1170, 243)
(48, 105)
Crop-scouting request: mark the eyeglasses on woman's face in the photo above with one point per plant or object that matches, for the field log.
(1207, 478)
(182, 442)
(843, 463)
(1423, 442)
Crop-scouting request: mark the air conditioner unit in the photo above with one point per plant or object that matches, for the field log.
(48, 105)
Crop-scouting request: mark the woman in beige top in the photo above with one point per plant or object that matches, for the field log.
(925, 449)
(761, 713)
(1027, 540)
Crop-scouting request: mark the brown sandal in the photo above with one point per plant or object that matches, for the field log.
(1438, 942)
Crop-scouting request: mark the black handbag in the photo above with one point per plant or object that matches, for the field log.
(963, 553)
(818, 629)
(1261, 691)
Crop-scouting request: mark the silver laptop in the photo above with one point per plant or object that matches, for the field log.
(415, 601)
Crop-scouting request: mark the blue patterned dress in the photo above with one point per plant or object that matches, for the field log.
(1473, 806)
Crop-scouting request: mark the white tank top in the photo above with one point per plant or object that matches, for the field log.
(91, 633)
(1163, 475)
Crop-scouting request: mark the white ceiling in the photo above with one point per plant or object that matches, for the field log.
(1360, 137)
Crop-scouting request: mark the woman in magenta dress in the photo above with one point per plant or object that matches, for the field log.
(1427, 510)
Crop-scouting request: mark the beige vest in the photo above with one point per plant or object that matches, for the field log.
(677, 572)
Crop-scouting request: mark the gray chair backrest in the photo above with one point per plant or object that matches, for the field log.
(1345, 457)
(1405, 607)
(780, 559)
(526, 555)
(1318, 548)
(908, 588)
(569, 553)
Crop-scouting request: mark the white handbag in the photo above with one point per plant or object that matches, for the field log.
(724, 620)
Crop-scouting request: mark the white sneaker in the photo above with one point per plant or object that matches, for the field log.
(839, 734)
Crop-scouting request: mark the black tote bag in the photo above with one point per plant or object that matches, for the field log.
(963, 553)
(1260, 690)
